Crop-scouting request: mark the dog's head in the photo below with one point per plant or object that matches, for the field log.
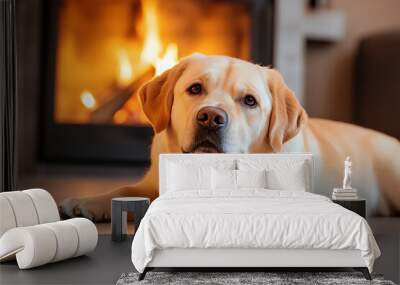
(222, 104)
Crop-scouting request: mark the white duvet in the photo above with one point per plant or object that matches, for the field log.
(250, 219)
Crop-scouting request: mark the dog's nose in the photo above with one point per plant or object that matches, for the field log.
(212, 118)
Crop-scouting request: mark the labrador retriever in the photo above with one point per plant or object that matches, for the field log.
(226, 105)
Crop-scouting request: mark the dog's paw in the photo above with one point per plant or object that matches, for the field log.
(67, 206)
(94, 208)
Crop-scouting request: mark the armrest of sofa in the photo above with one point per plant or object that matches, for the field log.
(26, 208)
(40, 244)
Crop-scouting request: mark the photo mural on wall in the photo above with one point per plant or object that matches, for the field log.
(219, 104)
(200, 103)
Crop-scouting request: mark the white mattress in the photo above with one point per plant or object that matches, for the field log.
(251, 219)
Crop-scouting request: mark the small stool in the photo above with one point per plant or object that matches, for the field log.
(119, 208)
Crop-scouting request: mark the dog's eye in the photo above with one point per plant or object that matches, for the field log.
(195, 89)
(250, 101)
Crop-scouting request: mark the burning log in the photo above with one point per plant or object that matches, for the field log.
(105, 113)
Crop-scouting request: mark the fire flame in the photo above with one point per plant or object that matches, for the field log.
(153, 53)
(88, 100)
(125, 68)
(169, 60)
(152, 44)
(153, 47)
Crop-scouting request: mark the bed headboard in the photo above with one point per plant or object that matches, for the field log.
(214, 159)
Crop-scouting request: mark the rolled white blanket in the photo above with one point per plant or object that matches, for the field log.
(45, 243)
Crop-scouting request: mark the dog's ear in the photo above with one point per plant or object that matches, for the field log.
(157, 95)
(287, 116)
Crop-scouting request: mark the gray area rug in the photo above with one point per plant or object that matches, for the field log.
(228, 278)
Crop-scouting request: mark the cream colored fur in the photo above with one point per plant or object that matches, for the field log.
(277, 124)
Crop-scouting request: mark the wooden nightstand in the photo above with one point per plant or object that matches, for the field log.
(358, 206)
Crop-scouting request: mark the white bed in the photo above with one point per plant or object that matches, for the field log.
(248, 226)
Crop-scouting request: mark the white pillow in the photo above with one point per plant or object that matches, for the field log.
(223, 179)
(251, 178)
(181, 177)
(293, 179)
(228, 179)
(282, 173)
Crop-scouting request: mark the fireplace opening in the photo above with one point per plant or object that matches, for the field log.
(100, 52)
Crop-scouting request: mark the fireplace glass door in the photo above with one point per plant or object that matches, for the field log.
(101, 51)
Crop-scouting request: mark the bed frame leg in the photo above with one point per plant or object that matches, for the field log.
(142, 275)
(364, 271)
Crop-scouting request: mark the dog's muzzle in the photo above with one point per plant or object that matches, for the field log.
(211, 124)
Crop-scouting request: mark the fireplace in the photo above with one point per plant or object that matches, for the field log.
(99, 52)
